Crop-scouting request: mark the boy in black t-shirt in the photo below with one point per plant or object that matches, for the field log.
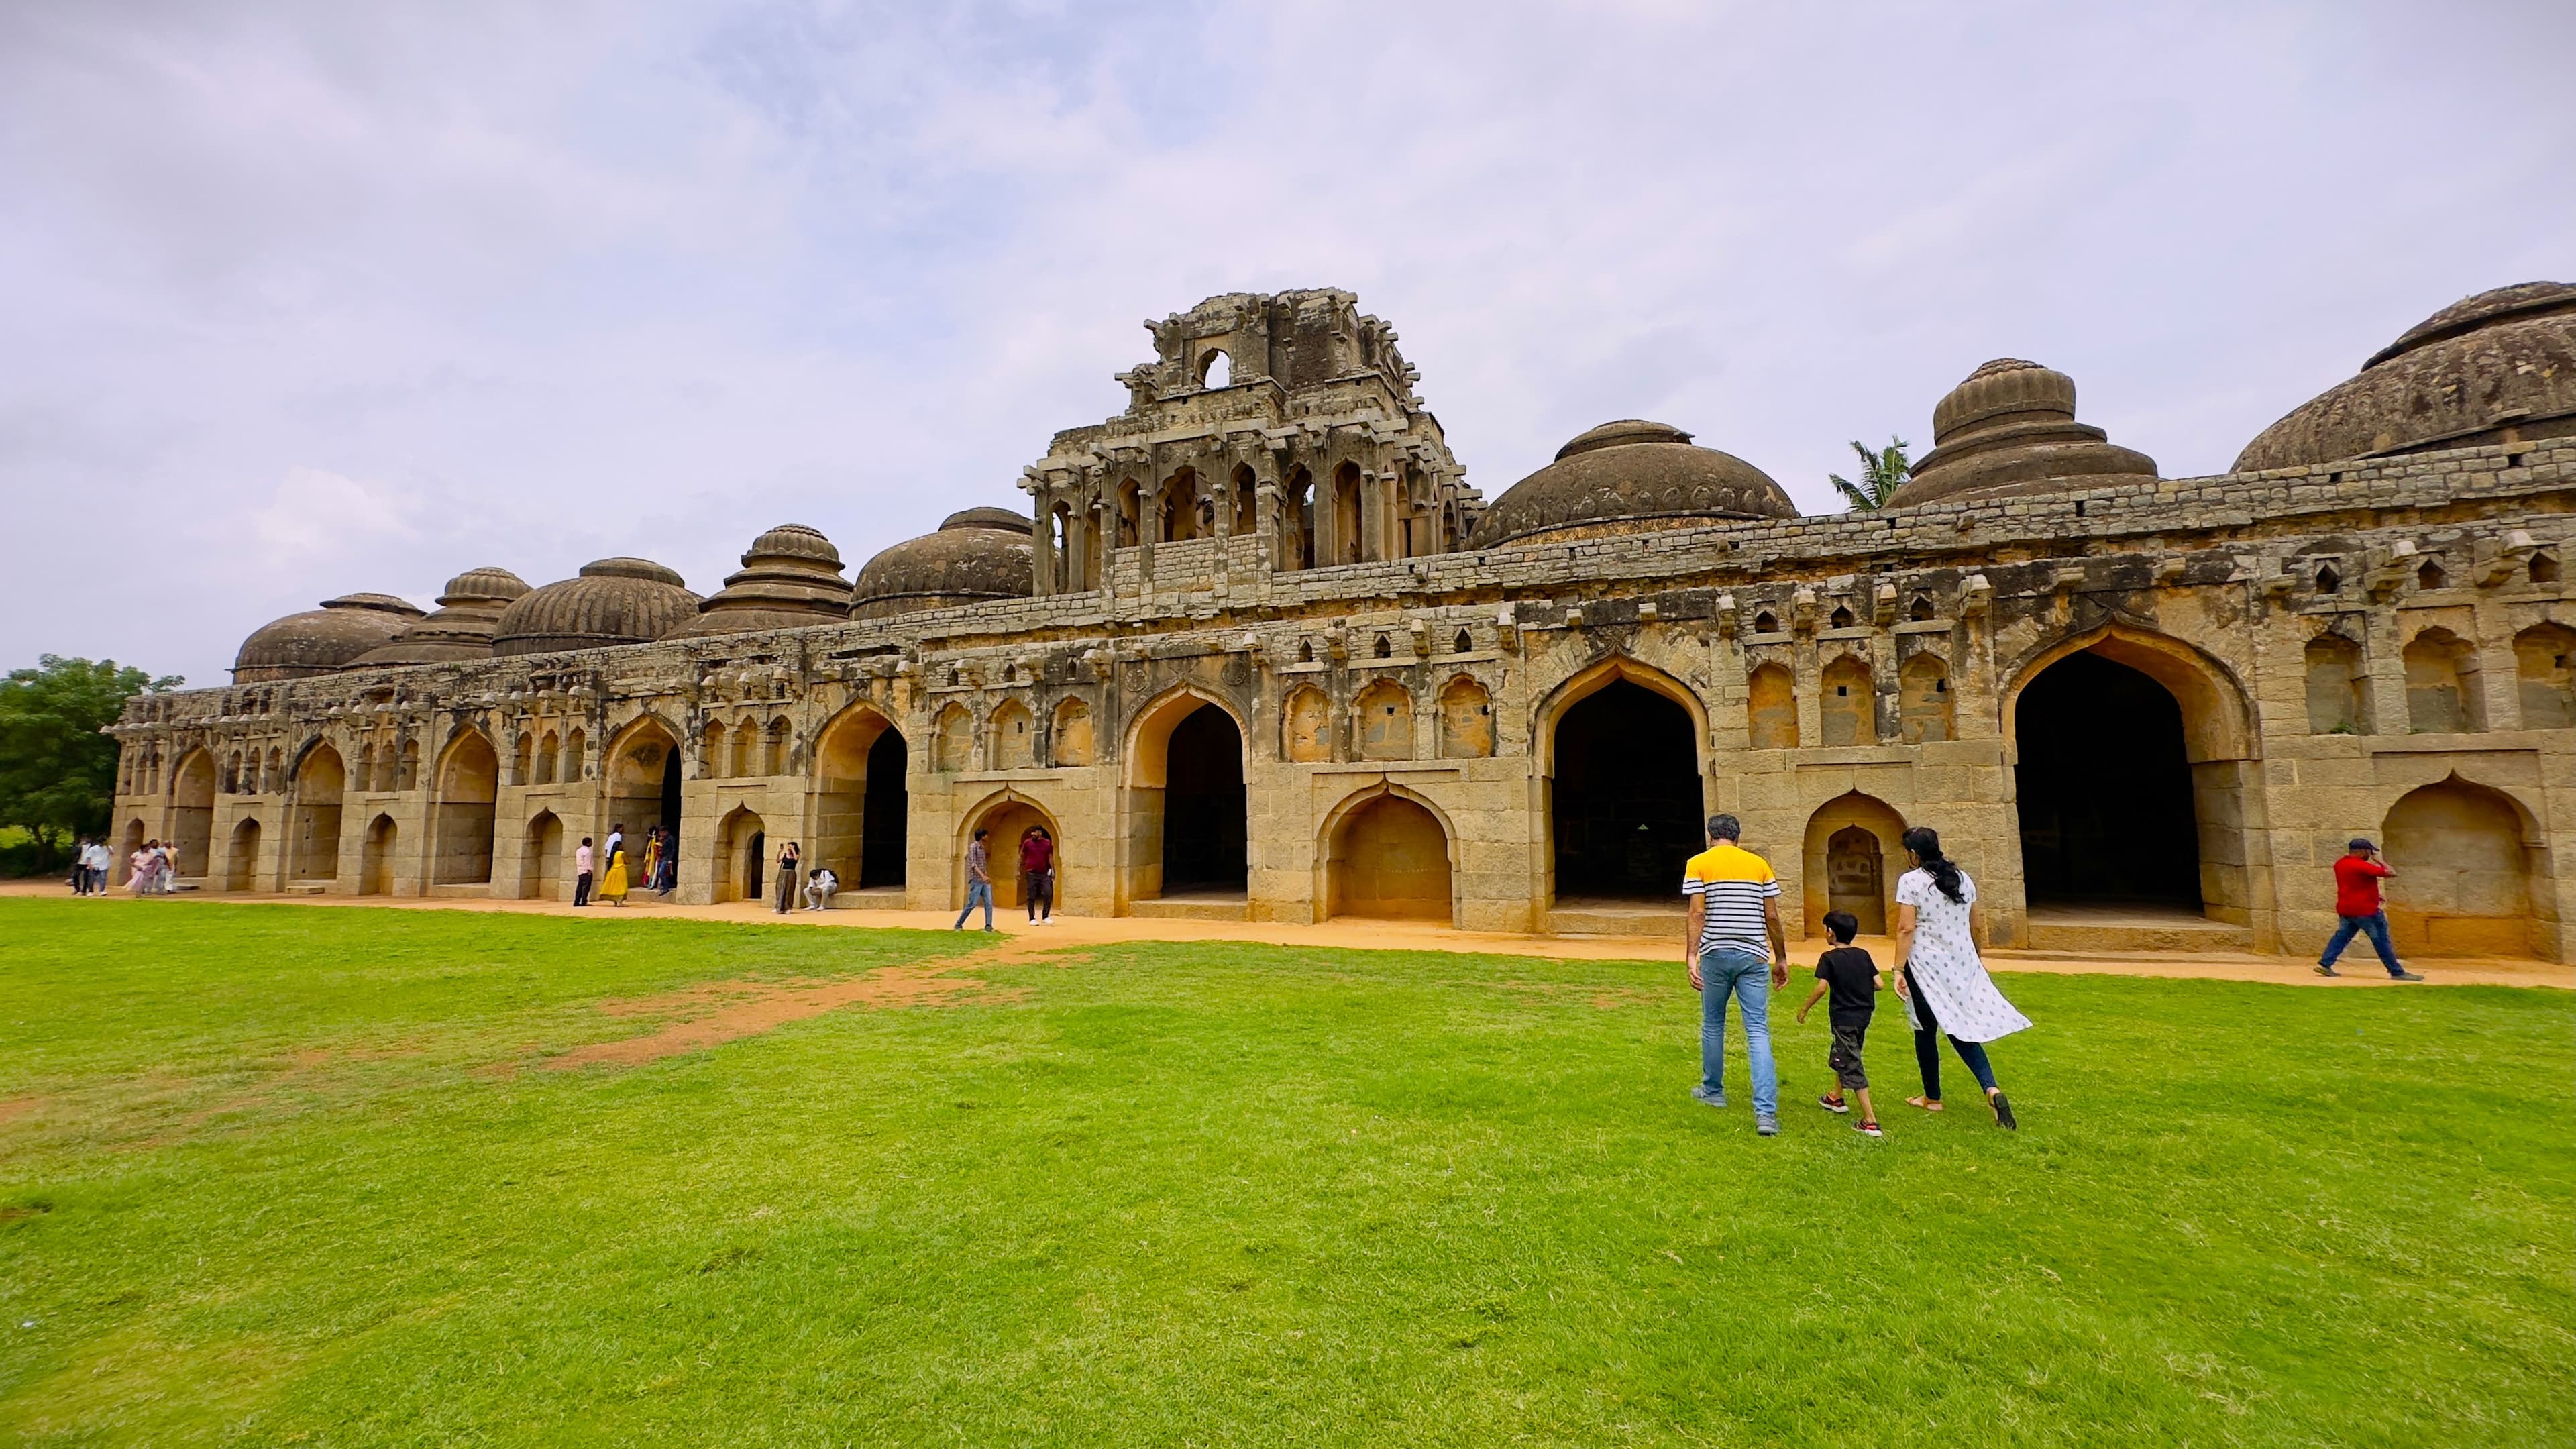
(1852, 977)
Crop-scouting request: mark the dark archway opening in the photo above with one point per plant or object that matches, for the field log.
(883, 813)
(1203, 805)
(2105, 788)
(1625, 804)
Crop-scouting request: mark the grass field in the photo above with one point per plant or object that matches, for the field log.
(285, 1175)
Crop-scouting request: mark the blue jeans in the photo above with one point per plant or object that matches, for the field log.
(1748, 976)
(2375, 927)
(978, 892)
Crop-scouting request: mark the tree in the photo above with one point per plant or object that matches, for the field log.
(1881, 474)
(57, 772)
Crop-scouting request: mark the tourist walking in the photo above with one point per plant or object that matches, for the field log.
(820, 884)
(80, 867)
(667, 879)
(1848, 972)
(581, 873)
(99, 862)
(979, 882)
(653, 848)
(787, 860)
(1942, 979)
(1735, 946)
(138, 869)
(2359, 910)
(1037, 875)
(612, 880)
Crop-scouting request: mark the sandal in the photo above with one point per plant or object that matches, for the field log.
(1932, 1104)
(1830, 1105)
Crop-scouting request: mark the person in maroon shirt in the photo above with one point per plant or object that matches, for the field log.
(2357, 877)
(1037, 875)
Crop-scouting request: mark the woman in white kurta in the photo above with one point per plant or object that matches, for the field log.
(1943, 980)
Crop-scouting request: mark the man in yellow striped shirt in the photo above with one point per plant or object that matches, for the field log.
(1735, 945)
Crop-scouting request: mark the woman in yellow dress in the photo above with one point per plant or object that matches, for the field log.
(612, 886)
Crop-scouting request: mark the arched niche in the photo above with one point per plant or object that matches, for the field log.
(1007, 816)
(541, 859)
(1388, 854)
(2470, 867)
(1382, 722)
(1855, 850)
(742, 856)
(1466, 719)
(642, 766)
(241, 861)
(192, 813)
(314, 830)
(469, 778)
(1015, 736)
(376, 857)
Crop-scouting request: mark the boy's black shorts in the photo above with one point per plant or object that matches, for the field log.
(1845, 1057)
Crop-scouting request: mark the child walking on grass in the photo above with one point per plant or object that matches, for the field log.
(1847, 971)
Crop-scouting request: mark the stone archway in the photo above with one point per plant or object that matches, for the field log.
(1624, 784)
(2465, 861)
(2135, 781)
(742, 848)
(313, 842)
(1007, 818)
(377, 856)
(1855, 850)
(1387, 856)
(860, 807)
(192, 814)
(1187, 820)
(469, 786)
(241, 862)
(642, 766)
(541, 859)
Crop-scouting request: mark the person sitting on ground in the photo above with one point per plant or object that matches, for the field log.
(1848, 972)
(2358, 908)
(819, 887)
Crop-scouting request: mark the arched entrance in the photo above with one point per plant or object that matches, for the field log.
(122, 868)
(860, 807)
(469, 783)
(241, 862)
(1186, 802)
(192, 814)
(2105, 789)
(541, 859)
(315, 842)
(742, 847)
(1008, 820)
(1624, 795)
(643, 769)
(1855, 851)
(1388, 858)
(376, 862)
(2463, 857)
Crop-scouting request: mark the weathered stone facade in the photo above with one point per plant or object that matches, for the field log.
(2176, 696)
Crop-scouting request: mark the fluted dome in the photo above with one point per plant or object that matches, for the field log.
(614, 601)
(2009, 431)
(2498, 363)
(790, 578)
(469, 613)
(982, 553)
(1629, 476)
(321, 640)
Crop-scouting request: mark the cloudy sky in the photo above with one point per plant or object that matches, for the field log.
(310, 298)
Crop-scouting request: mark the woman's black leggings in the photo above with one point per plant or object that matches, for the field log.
(1927, 1046)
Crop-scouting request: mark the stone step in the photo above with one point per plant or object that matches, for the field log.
(874, 898)
(1193, 908)
(1616, 918)
(2105, 932)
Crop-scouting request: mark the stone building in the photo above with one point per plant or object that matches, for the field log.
(1255, 650)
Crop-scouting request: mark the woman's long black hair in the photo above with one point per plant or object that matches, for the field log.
(1925, 842)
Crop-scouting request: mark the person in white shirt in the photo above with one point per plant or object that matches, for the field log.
(819, 887)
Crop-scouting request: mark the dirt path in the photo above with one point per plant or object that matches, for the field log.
(1020, 940)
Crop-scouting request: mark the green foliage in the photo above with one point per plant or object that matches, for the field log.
(57, 772)
(1881, 473)
(294, 1174)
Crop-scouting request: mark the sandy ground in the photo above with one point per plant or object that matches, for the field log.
(1369, 935)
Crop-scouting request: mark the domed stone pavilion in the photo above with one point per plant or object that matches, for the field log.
(321, 641)
(612, 601)
(2009, 431)
(469, 613)
(1629, 476)
(790, 578)
(977, 555)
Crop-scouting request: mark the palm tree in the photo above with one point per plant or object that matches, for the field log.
(1880, 475)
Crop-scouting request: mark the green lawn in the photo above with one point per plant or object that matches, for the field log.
(283, 1175)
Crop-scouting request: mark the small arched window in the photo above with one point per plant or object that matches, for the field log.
(1463, 643)
(2430, 576)
(1385, 648)
(1922, 610)
(1216, 369)
(1766, 623)
(1842, 618)
(2328, 581)
(2544, 569)
(1306, 652)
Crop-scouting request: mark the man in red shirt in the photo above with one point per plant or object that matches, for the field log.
(2357, 878)
(1037, 875)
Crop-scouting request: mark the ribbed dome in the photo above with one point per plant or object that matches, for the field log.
(2501, 361)
(614, 601)
(981, 553)
(790, 579)
(2009, 431)
(1629, 476)
(321, 640)
(469, 612)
